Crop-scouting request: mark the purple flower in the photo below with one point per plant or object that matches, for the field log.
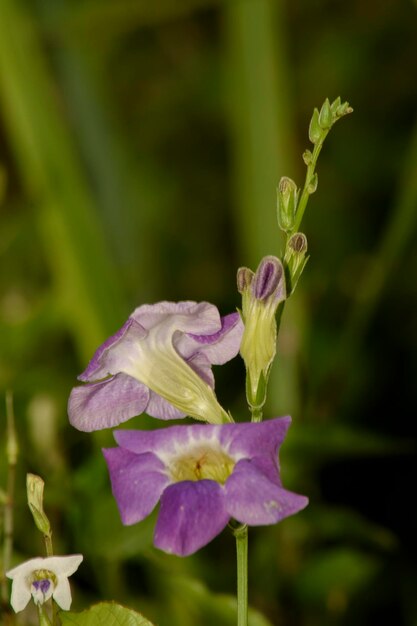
(203, 475)
(158, 362)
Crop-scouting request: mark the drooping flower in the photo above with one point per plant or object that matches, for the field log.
(158, 362)
(43, 579)
(262, 292)
(204, 475)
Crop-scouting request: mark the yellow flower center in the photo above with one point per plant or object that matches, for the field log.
(202, 463)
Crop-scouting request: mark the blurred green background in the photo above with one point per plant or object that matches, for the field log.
(140, 149)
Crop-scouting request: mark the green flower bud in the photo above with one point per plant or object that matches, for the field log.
(325, 115)
(34, 488)
(307, 157)
(314, 130)
(335, 105)
(295, 258)
(287, 197)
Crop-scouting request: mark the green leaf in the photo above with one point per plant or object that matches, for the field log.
(108, 613)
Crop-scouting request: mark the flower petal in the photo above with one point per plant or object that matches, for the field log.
(62, 593)
(20, 594)
(258, 441)
(165, 441)
(219, 347)
(137, 482)
(199, 317)
(191, 515)
(253, 499)
(107, 403)
(63, 565)
(100, 365)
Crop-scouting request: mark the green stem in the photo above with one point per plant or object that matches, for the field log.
(241, 535)
(310, 172)
(43, 618)
(256, 413)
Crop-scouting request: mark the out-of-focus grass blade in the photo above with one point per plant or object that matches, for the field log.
(258, 88)
(87, 284)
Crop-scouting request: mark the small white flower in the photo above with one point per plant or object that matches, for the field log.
(43, 579)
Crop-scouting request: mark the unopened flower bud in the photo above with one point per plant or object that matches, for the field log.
(34, 488)
(244, 279)
(307, 157)
(258, 345)
(295, 258)
(287, 196)
(312, 183)
(326, 115)
(314, 131)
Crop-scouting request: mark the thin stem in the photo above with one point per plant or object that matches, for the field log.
(241, 535)
(310, 172)
(43, 618)
(256, 413)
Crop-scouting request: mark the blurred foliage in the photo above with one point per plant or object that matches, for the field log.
(140, 148)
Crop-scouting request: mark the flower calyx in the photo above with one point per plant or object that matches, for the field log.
(260, 302)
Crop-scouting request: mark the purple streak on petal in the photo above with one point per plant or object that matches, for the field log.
(43, 585)
(219, 347)
(108, 403)
(251, 498)
(267, 278)
(191, 515)
(137, 482)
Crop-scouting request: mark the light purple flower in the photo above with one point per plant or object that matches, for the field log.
(203, 475)
(158, 362)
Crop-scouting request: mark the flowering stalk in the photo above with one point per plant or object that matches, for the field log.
(241, 536)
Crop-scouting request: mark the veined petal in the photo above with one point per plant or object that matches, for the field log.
(251, 498)
(191, 515)
(166, 442)
(137, 482)
(219, 347)
(191, 317)
(155, 362)
(104, 362)
(107, 403)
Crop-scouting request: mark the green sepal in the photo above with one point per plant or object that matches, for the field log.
(257, 400)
